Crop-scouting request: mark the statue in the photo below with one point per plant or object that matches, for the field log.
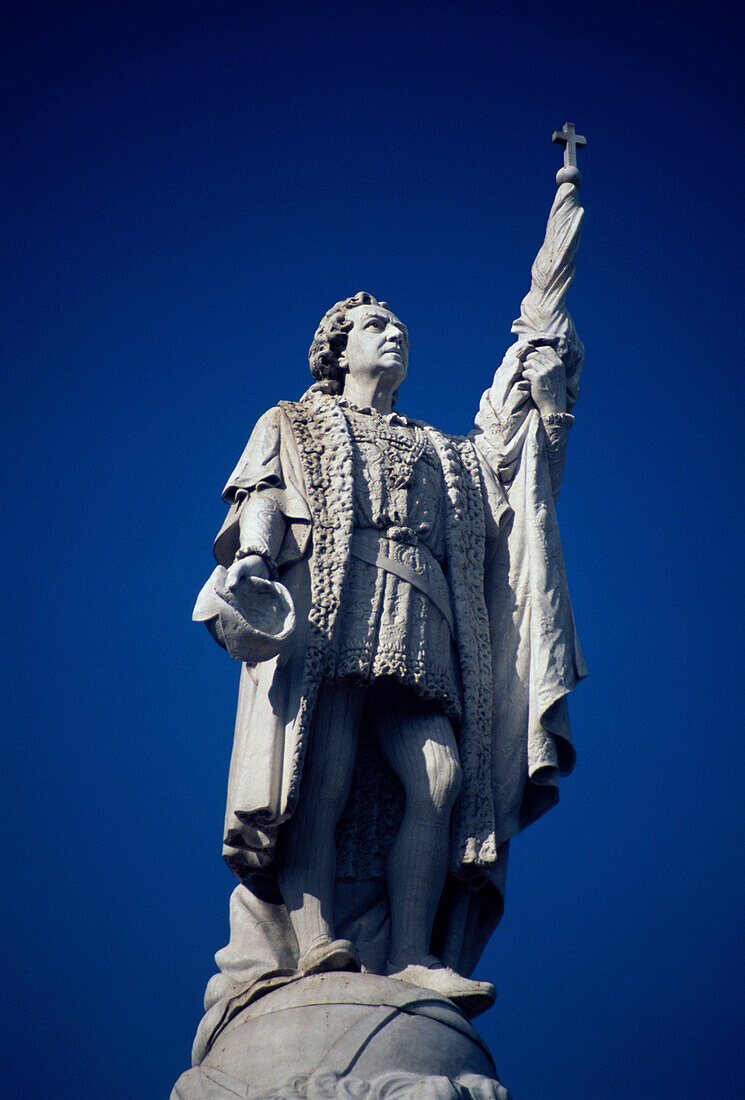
(398, 600)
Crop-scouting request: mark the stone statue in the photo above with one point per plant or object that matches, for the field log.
(398, 600)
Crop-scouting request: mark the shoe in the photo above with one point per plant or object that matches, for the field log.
(471, 997)
(329, 955)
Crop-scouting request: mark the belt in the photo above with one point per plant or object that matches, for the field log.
(367, 547)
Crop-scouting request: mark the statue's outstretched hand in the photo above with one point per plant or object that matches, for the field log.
(251, 566)
(545, 372)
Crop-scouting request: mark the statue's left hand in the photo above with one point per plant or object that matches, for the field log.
(545, 372)
(251, 566)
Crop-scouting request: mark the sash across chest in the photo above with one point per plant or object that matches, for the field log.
(367, 546)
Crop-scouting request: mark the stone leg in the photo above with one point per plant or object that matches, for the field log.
(419, 743)
(307, 855)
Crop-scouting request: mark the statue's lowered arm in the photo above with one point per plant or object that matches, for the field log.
(244, 607)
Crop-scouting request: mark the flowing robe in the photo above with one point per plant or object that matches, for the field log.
(517, 646)
(518, 651)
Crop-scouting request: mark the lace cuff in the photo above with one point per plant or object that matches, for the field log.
(558, 420)
(259, 552)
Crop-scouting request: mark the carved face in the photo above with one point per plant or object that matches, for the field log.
(378, 343)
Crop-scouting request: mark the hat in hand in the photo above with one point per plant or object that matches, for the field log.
(253, 620)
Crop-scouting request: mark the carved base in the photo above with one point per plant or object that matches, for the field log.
(355, 1036)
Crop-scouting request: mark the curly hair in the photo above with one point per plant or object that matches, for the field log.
(330, 339)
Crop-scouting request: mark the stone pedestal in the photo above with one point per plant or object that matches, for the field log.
(356, 1036)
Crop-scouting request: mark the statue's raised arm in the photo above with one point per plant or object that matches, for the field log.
(397, 599)
(520, 436)
(538, 379)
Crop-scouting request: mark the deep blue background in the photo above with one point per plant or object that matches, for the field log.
(186, 189)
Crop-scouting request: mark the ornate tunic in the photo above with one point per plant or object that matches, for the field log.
(490, 521)
(387, 626)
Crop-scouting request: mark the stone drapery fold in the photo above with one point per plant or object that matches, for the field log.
(516, 663)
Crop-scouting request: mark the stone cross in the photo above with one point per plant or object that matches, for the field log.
(571, 141)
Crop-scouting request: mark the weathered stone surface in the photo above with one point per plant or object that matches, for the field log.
(434, 644)
(398, 600)
(345, 1035)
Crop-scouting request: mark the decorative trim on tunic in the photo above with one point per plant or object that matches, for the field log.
(325, 449)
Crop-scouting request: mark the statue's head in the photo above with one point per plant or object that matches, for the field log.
(327, 352)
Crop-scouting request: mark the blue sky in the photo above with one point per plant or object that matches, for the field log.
(187, 188)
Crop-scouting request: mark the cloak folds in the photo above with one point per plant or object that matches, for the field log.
(264, 795)
(518, 651)
(515, 633)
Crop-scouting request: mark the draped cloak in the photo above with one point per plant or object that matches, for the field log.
(518, 649)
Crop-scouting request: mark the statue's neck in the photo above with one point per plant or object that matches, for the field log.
(372, 393)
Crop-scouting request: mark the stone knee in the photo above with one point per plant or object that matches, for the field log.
(436, 787)
(418, 741)
(430, 772)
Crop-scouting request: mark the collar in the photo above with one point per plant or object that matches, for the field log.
(367, 410)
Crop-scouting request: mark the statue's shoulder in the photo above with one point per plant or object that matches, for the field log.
(276, 420)
(312, 403)
(267, 427)
(271, 418)
(317, 411)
